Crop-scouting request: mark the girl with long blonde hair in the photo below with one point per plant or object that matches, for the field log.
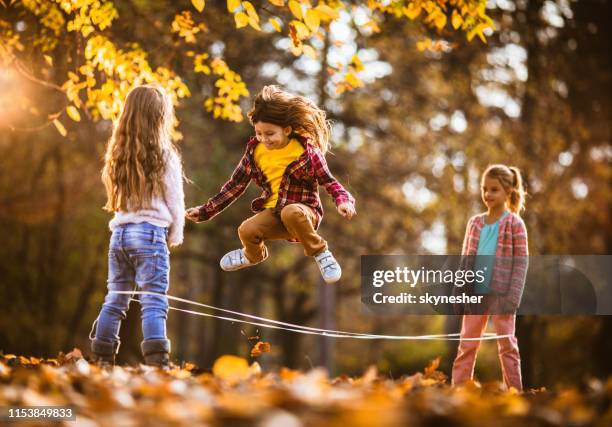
(143, 178)
(286, 158)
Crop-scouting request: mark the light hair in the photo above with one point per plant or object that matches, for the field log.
(276, 106)
(135, 159)
(511, 180)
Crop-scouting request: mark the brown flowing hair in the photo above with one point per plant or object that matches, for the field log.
(135, 160)
(281, 108)
(510, 178)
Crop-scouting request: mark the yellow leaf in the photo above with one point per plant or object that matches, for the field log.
(301, 30)
(312, 19)
(326, 13)
(60, 127)
(227, 367)
(372, 26)
(73, 76)
(276, 24)
(73, 113)
(250, 10)
(48, 60)
(356, 62)
(412, 11)
(456, 20)
(423, 44)
(232, 5)
(242, 20)
(279, 3)
(198, 4)
(482, 37)
(296, 9)
(353, 80)
(477, 31)
(253, 23)
(309, 51)
(440, 20)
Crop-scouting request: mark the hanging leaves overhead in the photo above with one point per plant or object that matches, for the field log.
(99, 75)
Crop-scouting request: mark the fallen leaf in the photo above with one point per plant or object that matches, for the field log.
(260, 348)
(231, 368)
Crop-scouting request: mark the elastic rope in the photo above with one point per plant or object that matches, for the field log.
(275, 324)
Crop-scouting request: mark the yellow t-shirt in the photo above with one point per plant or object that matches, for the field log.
(273, 164)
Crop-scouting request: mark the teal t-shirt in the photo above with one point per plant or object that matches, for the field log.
(487, 245)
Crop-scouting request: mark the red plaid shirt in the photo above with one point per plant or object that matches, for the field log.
(511, 256)
(299, 184)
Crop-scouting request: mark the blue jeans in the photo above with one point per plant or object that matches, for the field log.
(138, 254)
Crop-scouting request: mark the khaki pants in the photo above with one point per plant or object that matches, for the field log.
(296, 221)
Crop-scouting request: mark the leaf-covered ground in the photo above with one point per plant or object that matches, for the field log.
(238, 394)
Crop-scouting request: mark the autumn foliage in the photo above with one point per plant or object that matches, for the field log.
(101, 71)
(237, 394)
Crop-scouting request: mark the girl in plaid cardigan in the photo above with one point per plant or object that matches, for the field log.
(500, 232)
(286, 159)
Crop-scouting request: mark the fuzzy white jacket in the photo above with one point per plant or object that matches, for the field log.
(167, 211)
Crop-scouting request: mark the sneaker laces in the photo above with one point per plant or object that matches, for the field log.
(326, 256)
(240, 259)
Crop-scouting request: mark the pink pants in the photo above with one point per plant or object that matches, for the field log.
(473, 326)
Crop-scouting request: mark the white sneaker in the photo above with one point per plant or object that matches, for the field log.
(235, 260)
(330, 269)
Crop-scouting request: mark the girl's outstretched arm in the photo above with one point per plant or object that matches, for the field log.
(327, 180)
(231, 190)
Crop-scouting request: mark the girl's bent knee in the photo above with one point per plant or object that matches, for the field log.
(246, 229)
(292, 213)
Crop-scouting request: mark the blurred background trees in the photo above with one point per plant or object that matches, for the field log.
(418, 114)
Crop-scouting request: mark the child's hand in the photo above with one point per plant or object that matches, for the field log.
(346, 209)
(192, 214)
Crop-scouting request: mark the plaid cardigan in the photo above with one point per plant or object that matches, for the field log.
(511, 256)
(299, 183)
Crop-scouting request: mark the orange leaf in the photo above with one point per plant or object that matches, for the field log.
(260, 348)
(74, 354)
(231, 368)
(433, 366)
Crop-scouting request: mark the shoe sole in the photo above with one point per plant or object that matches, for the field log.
(240, 267)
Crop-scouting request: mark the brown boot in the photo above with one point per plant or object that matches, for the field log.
(156, 353)
(103, 353)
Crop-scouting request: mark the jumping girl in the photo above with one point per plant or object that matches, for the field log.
(286, 159)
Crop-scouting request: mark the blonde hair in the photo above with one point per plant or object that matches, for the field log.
(511, 180)
(274, 105)
(134, 163)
